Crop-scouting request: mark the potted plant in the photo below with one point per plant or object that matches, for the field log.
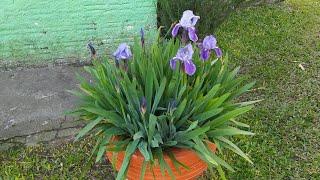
(166, 110)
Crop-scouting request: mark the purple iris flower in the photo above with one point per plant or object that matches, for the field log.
(209, 43)
(123, 52)
(187, 22)
(185, 56)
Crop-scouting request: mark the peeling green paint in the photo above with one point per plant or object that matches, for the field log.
(41, 31)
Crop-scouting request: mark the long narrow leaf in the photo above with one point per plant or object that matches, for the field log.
(226, 117)
(87, 128)
(158, 95)
(131, 148)
(228, 131)
(234, 148)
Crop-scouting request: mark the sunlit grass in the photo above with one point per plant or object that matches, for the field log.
(269, 42)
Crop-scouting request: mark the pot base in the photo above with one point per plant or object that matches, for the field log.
(187, 157)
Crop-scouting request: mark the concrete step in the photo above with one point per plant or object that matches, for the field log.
(33, 103)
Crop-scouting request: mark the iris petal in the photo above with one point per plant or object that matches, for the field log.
(209, 42)
(173, 64)
(194, 20)
(123, 52)
(192, 34)
(175, 30)
(218, 52)
(205, 54)
(189, 67)
(188, 19)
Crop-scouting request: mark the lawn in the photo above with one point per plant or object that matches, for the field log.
(274, 44)
(279, 46)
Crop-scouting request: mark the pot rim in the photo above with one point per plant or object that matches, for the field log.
(178, 152)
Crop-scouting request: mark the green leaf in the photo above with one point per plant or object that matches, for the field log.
(158, 95)
(178, 112)
(143, 169)
(75, 93)
(158, 138)
(240, 124)
(88, 164)
(176, 163)
(227, 116)
(138, 135)
(204, 152)
(143, 148)
(154, 143)
(149, 89)
(114, 131)
(193, 125)
(163, 165)
(221, 162)
(131, 148)
(243, 89)
(103, 146)
(208, 97)
(234, 148)
(170, 143)
(182, 90)
(215, 103)
(192, 134)
(228, 131)
(207, 115)
(221, 173)
(101, 152)
(233, 74)
(88, 127)
(248, 102)
(111, 116)
(152, 126)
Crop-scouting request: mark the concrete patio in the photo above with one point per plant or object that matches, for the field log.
(33, 103)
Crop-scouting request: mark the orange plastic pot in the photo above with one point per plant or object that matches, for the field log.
(185, 156)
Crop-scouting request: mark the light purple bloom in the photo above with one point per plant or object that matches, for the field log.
(209, 43)
(187, 22)
(184, 55)
(123, 52)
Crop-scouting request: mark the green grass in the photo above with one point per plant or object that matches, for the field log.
(63, 161)
(269, 43)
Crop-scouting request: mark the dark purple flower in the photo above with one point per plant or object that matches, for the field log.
(123, 52)
(92, 50)
(209, 43)
(142, 37)
(184, 55)
(143, 105)
(187, 22)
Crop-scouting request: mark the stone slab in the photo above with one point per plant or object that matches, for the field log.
(40, 137)
(35, 100)
(67, 132)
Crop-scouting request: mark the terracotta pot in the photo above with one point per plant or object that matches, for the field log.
(187, 157)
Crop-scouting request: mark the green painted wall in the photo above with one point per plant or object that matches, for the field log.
(41, 31)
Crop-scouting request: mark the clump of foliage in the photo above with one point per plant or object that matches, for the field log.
(214, 12)
(158, 97)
